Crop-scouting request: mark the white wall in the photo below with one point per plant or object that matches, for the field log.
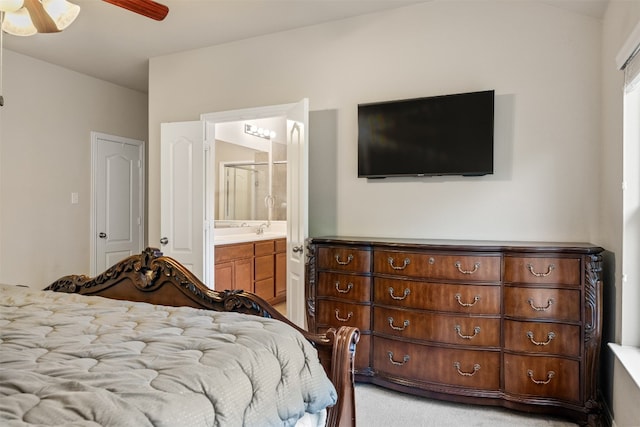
(622, 393)
(558, 163)
(543, 62)
(558, 146)
(45, 147)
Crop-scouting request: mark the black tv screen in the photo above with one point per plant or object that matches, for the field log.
(439, 135)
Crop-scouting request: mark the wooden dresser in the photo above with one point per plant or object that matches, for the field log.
(501, 323)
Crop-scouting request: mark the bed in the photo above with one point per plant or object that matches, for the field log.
(146, 343)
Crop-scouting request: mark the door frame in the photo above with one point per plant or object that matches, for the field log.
(296, 305)
(95, 140)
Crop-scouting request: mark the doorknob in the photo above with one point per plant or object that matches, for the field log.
(164, 241)
(298, 249)
(102, 235)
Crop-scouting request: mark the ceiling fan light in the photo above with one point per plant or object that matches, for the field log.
(10, 5)
(61, 12)
(18, 23)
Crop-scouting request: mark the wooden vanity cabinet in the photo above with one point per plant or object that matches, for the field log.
(281, 271)
(254, 267)
(234, 266)
(264, 269)
(509, 324)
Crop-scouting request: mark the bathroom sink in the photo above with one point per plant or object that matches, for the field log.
(224, 239)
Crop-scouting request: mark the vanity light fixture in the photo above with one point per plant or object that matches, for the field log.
(259, 132)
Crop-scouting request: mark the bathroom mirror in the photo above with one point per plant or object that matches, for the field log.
(251, 175)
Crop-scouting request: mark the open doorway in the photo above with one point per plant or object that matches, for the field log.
(187, 211)
(294, 118)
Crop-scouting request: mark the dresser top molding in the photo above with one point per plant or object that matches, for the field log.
(461, 245)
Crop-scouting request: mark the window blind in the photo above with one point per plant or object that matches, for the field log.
(632, 71)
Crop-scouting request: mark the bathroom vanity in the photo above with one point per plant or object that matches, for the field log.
(257, 265)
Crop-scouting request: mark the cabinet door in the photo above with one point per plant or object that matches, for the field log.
(264, 267)
(243, 274)
(281, 275)
(224, 276)
(264, 289)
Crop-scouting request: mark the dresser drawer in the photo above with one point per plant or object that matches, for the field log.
(477, 299)
(468, 268)
(475, 369)
(542, 303)
(336, 314)
(564, 271)
(344, 286)
(344, 259)
(541, 376)
(548, 338)
(464, 330)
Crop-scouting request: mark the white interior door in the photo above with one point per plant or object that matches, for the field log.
(297, 208)
(182, 218)
(118, 197)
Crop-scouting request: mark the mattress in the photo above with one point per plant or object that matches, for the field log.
(75, 360)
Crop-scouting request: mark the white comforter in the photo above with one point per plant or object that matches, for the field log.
(72, 360)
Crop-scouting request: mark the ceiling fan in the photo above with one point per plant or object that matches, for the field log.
(148, 8)
(52, 16)
(27, 17)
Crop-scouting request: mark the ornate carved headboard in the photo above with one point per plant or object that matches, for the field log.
(153, 278)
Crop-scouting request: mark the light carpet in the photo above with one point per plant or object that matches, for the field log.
(376, 406)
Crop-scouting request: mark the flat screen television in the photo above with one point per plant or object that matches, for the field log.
(438, 135)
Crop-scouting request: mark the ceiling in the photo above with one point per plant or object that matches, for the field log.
(113, 44)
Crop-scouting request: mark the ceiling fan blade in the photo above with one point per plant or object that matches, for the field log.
(39, 17)
(148, 8)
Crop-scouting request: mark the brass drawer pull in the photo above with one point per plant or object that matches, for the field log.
(458, 298)
(407, 291)
(549, 270)
(550, 336)
(343, 319)
(550, 375)
(476, 368)
(406, 262)
(344, 291)
(476, 331)
(349, 259)
(398, 328)
(459, 267)
(540, 308)
(405, 359)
